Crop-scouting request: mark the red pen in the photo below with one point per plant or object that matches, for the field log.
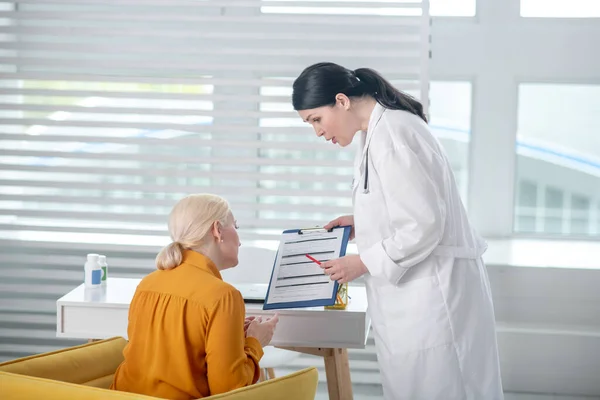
(313, 259)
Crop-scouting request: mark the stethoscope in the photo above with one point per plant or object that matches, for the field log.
(365, 188)
(366, 183)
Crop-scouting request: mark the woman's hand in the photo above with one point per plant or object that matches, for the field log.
(247, 322)
(262, 331)
(345, 269)
(345, 220)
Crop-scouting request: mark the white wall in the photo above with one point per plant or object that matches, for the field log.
(548, 328)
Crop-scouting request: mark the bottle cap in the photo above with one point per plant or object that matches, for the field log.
(92, 257)
(102, 259)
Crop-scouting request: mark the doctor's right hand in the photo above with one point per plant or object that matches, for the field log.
(345, 220)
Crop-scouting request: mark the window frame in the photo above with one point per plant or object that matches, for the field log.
(482, 51)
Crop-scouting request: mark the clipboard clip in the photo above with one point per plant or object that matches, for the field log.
(313, 230)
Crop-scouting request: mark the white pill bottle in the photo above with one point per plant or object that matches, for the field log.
(92, 272)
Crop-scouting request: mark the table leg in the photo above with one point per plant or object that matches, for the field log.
(337, 370)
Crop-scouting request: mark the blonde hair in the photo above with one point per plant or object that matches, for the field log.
(190, 224)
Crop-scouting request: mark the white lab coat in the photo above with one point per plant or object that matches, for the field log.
(428, 290)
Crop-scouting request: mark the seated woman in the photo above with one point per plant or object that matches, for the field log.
(188, 337)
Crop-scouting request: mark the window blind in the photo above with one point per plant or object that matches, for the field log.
(112, 110)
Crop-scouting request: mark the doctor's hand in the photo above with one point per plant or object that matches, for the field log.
(345, 220)
(345, 269)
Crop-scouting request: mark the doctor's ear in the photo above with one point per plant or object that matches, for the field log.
(343, 101)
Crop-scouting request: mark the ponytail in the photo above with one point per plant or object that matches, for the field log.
(318, 85)
(170, 256)
(387, 95)
(190, 224)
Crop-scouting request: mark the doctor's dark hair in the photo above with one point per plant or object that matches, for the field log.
(318, 85)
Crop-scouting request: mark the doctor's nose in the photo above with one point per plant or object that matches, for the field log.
(320, 132)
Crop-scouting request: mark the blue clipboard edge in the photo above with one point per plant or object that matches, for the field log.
(310, 303)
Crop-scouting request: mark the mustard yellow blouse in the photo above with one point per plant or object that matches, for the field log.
(186, 335)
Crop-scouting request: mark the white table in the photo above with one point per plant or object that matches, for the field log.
(101, 313)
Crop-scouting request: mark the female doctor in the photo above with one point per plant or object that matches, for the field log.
(428, 290)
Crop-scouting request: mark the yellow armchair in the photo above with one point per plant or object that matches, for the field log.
(87, 371)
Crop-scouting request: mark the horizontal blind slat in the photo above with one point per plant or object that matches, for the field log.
(285, 98)
(52, 246)
(150, 188)
(180, 159)
(177, 173)
(160, 80)
(82, 32)
(161, 4)
(89, 238)
(406, 52)
(191, 65)
(22, 227)
(148, 111)
(122, 201)
(206, 128)
(145, 218)
(176, 140)
(261, 20)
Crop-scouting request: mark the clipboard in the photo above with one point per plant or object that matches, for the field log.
(312, 287)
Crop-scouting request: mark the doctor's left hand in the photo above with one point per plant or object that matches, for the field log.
(345, 269)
